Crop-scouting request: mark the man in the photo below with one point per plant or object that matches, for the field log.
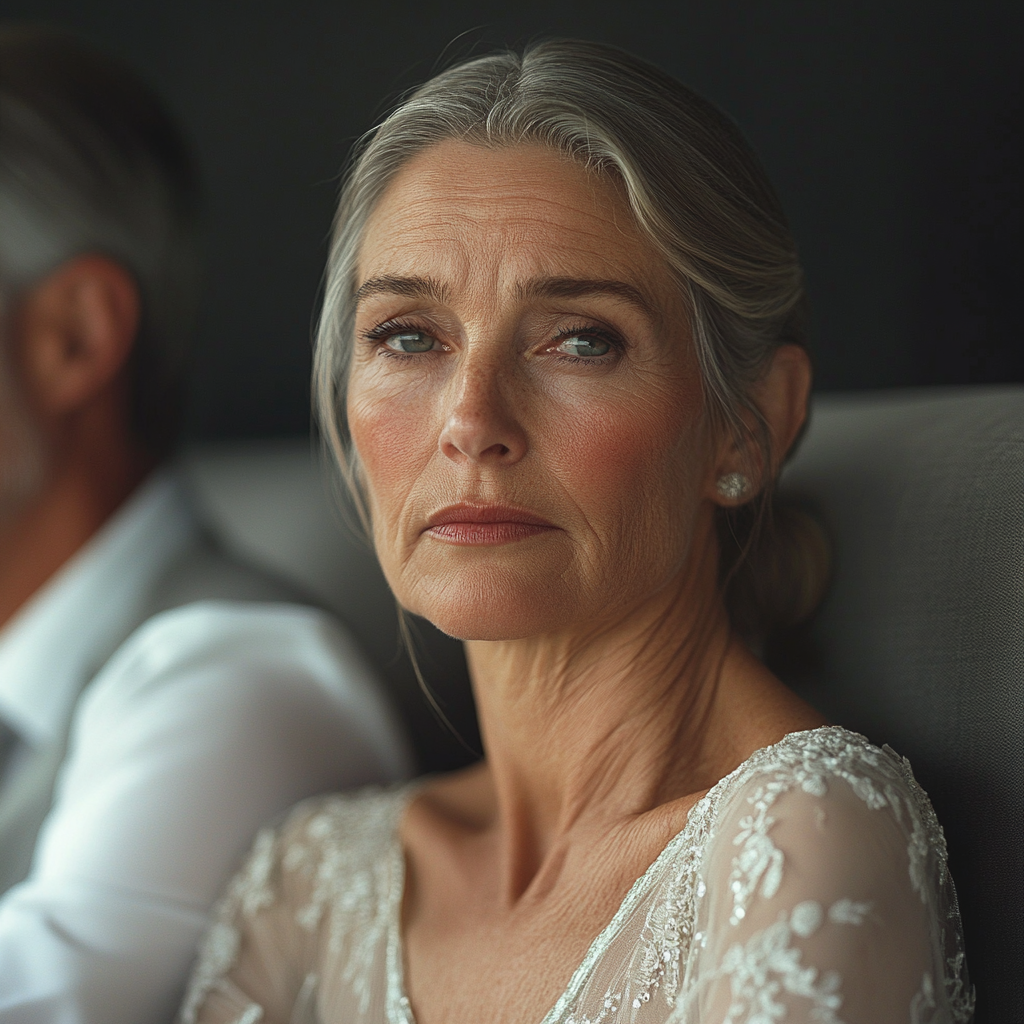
(157, 701)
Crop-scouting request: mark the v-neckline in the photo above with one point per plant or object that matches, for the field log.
(397, 1003)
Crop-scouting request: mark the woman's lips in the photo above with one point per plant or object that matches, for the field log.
(485, 524)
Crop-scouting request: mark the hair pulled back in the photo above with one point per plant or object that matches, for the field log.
(695, 188)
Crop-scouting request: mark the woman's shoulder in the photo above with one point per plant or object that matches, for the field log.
(819, 847)
(362, 820)
(823, 805)
(347, 831)
(830, 785)
(814, 761)
(329, 858)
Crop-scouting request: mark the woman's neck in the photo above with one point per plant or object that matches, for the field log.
(591, 732)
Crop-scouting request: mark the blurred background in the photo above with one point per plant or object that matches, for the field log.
(891, 128)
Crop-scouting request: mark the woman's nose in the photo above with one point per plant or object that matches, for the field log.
(481, 425)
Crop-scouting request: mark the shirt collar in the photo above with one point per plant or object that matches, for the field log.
(76, 618)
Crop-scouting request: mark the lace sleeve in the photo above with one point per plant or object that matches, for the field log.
(825, 899)
(302, 932)
(254, 961)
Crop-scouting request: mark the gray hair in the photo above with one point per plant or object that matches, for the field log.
(693, 184)
(90, 162)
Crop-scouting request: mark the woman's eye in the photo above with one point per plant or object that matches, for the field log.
(583, 345)
(409, 341)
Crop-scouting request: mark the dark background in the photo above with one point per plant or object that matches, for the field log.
(893, 131)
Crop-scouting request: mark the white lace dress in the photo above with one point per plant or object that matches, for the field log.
(809, 885)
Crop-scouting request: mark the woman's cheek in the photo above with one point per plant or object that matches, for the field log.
(393, 440)
(617, 454)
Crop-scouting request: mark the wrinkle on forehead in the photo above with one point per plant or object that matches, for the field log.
(505, 216)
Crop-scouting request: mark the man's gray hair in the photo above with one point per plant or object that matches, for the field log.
(92, 163)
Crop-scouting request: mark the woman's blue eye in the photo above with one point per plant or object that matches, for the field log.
(584, 345)
(410, 341)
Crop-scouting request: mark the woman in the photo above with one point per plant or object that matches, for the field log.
(561, 356)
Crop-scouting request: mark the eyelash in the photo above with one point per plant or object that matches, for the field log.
(376, 335)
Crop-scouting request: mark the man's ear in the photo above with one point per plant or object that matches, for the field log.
(781, 396)
(75, 331)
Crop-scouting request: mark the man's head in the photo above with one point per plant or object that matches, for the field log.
(98, 261)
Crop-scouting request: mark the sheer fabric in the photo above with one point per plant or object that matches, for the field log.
(809, 886)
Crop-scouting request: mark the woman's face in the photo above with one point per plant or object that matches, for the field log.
(524, 397)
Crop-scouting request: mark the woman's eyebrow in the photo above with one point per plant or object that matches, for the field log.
(573, 287)
(539, 288)
(413, 287)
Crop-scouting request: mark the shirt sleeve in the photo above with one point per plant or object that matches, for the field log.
(827, 900)
(211, 720)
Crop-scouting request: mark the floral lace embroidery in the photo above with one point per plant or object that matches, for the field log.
(339, 844)
(927, 839)
(848, 912)
(823, 756)
(340, 848)
(760, 861)
(959, 993)
(667, 935)
(768, 965)
(608, 1011)
(304, 1011)
(922, 1007)
(249, 892)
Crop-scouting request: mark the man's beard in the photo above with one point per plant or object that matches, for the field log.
(24, 457)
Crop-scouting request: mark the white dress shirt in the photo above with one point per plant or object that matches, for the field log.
(208, 721)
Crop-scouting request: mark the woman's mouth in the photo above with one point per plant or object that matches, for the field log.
(485, 524)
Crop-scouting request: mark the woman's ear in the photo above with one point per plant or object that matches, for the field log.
(75, 331)
(781, 396)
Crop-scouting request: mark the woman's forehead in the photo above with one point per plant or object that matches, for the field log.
(458, 211)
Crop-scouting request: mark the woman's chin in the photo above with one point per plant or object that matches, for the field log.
(460, 629)
(487, 610)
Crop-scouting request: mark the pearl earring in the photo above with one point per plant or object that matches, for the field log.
(732, 485)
